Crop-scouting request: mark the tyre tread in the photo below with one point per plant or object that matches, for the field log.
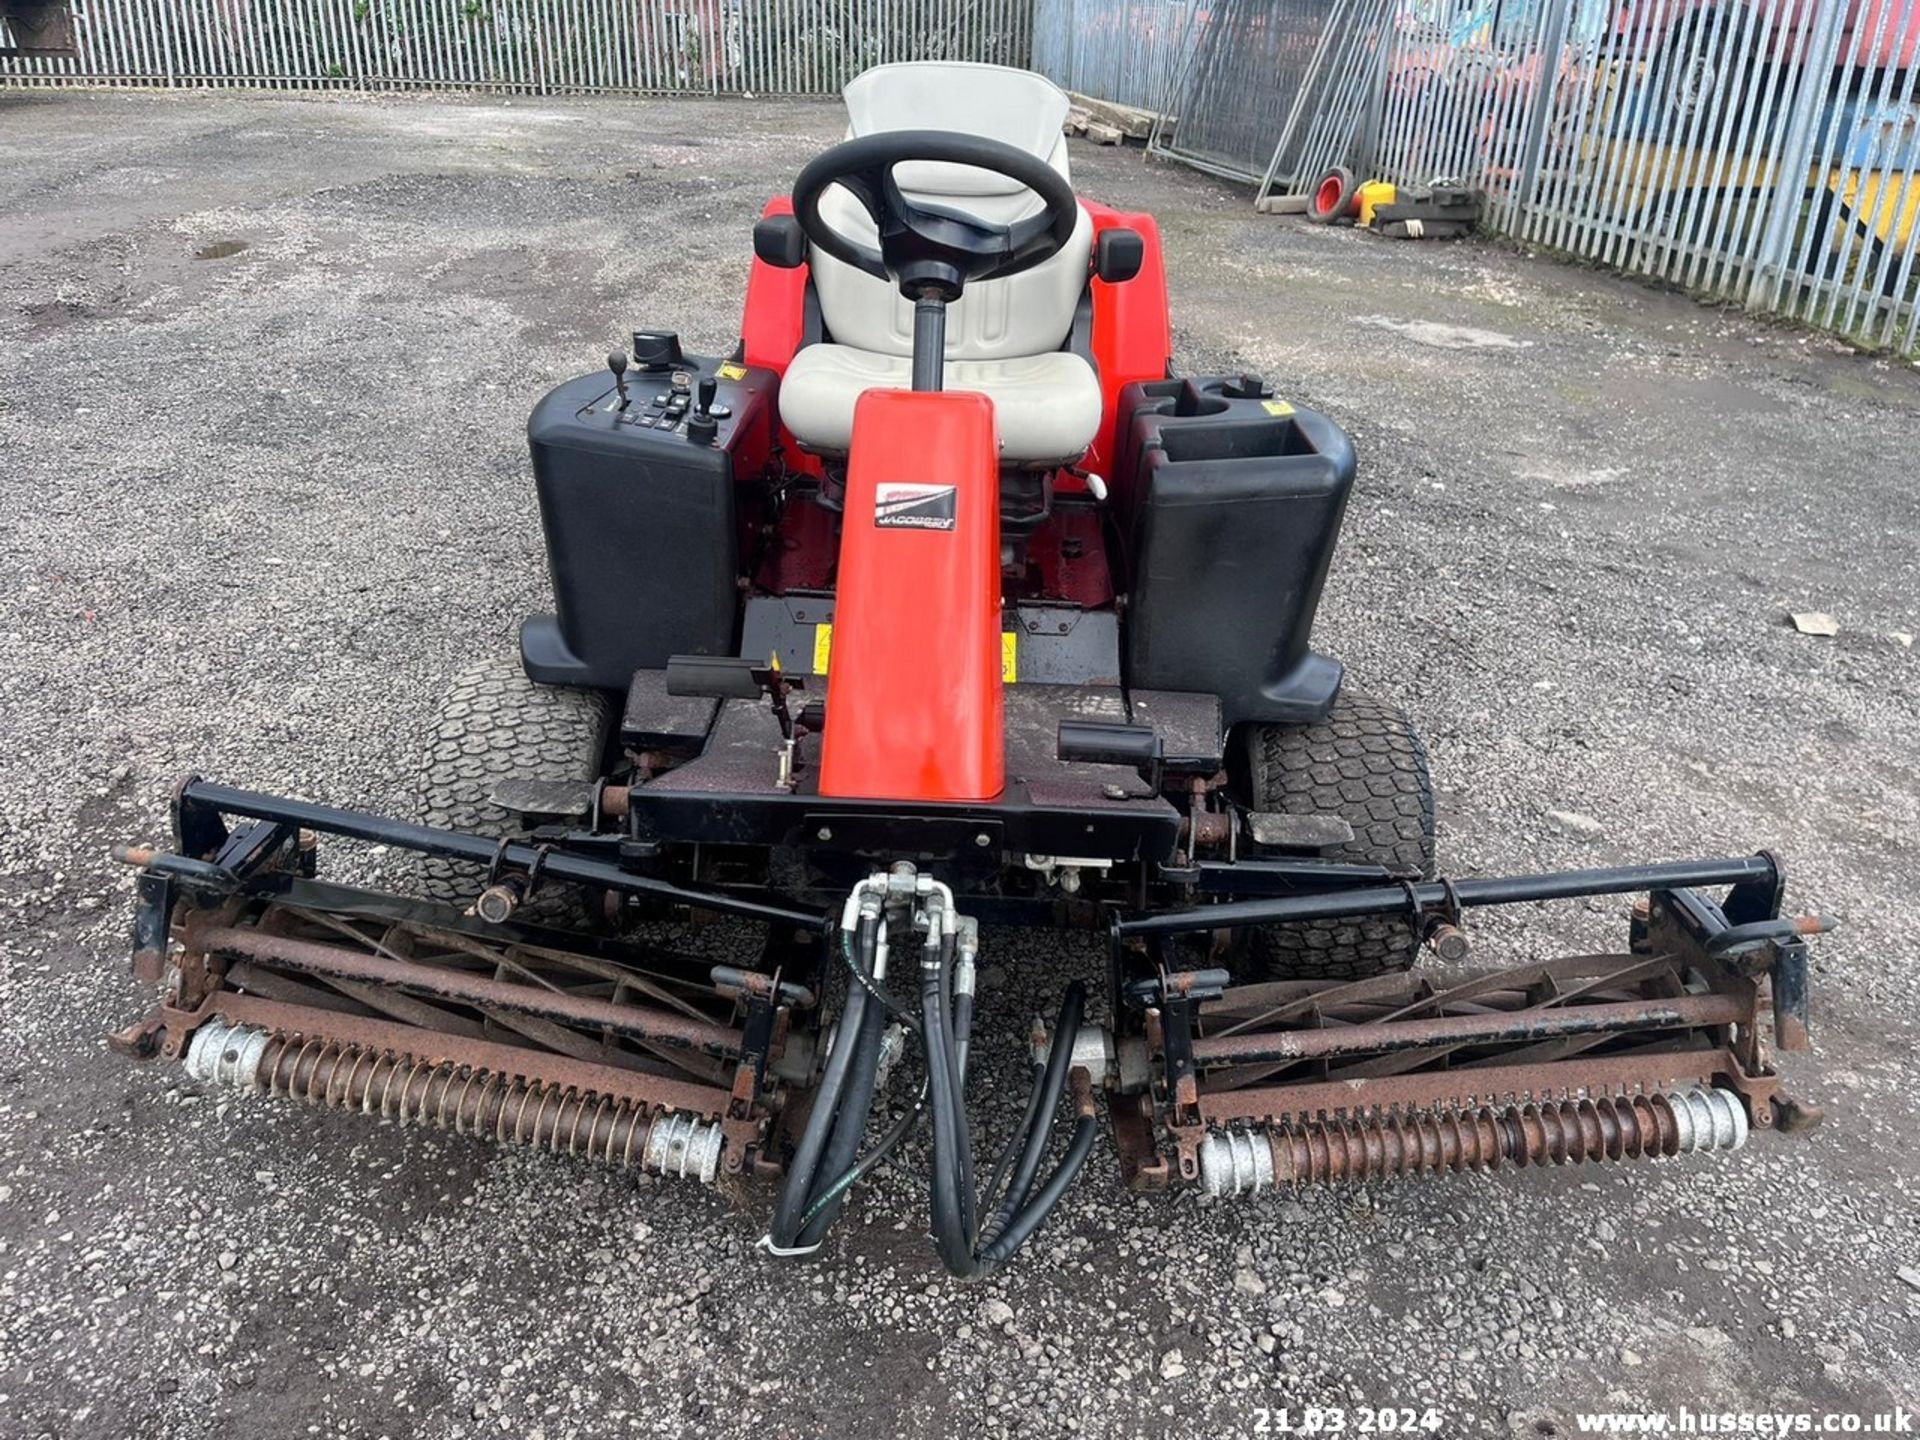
(1364, 763)
(497, 724)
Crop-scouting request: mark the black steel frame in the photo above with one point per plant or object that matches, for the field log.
(1283, 892)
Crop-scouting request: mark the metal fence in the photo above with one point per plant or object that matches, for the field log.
(1125, 51)
(782, 47)
(1764, 151)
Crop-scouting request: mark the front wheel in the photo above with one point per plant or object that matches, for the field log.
(1363, 764)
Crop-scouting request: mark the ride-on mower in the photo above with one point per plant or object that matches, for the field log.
(943, 603)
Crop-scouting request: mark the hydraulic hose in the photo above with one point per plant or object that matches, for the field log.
(1003, 1162)
(1015, 1232)
(891, 1139)
(950, 1235)
(961, 1004)
(827, 1161)
(849, 1125)
(952, 1200)
(796, 1192)
(885, 1146)
(1049, 1086)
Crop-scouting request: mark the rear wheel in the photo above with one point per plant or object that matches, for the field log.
(497, 724)
(1365, 765)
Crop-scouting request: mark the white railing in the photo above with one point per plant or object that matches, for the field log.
(1764, 151)
(770, 47)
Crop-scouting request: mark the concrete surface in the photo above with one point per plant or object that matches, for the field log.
(257, 506)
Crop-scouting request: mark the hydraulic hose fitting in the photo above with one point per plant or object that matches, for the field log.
(966, 954)
(863, 901)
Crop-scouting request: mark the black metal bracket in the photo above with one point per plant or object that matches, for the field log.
(1775, 947)
(1791, 1027)
(756, 1043)
(152, 922)
(199, 806)
(1368, 897)
(1178, 1072)
(198, 832)
(1760, 898)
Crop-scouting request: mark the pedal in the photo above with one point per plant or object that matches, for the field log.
(1298, 832)
(540, 801)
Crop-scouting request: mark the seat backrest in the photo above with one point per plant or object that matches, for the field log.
(1025, 314)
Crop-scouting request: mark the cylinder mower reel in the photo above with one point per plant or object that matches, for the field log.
(942, 604)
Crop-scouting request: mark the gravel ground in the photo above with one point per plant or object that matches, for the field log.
(260, 505)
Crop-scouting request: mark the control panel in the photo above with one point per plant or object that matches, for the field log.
(669, 392)
(636, 467)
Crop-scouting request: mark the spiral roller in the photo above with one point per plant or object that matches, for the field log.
(1564, 1132)
(511, 1109)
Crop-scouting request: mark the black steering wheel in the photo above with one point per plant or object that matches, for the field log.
(934, 247)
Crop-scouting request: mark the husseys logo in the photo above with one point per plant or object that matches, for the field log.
(900, 506)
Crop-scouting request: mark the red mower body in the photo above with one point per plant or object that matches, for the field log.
(914, 680)
(917, 650)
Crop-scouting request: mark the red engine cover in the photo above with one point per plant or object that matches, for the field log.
(913, 677)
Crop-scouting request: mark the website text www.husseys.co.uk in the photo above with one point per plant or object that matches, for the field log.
(1744, 1423)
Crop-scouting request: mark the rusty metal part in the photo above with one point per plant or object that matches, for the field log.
(732, 980)
(1328, 1059)
(1494, 1027)
(667, 1092)
(499, 900)
(1142, 1167)
(1202, 828)
(448, 1094)
(1394, 1143)
(1448, 942)
(1793, 1116)
(1641, 1071)
(334, 962)
(1206, 829)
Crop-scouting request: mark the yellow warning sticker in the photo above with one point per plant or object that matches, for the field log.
(731, 371)
(1009, 652)
(1276, 407)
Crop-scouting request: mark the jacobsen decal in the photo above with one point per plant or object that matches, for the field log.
(913, 507)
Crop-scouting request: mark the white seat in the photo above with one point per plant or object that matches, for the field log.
(1004, 337)
(1046, 407)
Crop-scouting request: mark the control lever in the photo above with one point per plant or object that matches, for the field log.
(1104, 742)
(617, 363)
(703, 425)
(722, 677)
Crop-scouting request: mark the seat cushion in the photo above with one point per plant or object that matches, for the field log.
(1047, 406)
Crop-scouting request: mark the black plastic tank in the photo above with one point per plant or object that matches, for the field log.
(640, 520)
(1232, 501)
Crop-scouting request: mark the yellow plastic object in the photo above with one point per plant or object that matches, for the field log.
(1375, 192)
